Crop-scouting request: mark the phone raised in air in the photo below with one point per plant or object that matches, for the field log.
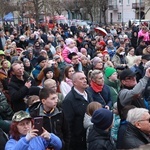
(38, 124)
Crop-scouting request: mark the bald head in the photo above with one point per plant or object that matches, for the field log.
(50, 84)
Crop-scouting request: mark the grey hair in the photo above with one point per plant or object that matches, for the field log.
(94, 73)
(135, 114)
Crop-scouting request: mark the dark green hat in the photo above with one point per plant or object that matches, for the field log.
(21, 115)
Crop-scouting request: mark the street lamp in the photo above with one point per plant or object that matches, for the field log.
(122, 14)
(139, 11)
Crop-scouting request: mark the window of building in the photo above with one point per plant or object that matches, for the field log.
(119, 16)
(120, 2)
(128, 2)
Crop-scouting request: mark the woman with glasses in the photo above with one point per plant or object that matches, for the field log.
(23, 136)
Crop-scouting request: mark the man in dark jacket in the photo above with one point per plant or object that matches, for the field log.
(138, 129)
(53, 117)
(74, 106)
(6, 113)
(20, 85)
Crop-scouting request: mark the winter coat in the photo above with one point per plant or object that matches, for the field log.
(66, 52)
(18, 90)
(114, 88)
(37, 143)
(102, 97)
(118, 60)
(74, 106)
(132, 96)
(133, 138)
(99, 140)
(54, 122)
(6, 111)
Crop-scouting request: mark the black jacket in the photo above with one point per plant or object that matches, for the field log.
(99, 140)
(74, 106)
(133, 138)
(18, 91)
(54, 122)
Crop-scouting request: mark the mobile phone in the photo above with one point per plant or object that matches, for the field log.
(29, 79)
(38, 124)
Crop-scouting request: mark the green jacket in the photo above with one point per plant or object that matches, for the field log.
(114, 88)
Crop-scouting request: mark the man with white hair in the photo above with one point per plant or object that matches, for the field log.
(138, 129)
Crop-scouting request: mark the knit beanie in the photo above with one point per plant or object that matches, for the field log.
(96, 60)
(47, 69)
(109, 71)
(40, 59)
(102, 118)
(69, 41)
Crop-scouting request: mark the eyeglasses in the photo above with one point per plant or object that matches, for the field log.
(145, 120)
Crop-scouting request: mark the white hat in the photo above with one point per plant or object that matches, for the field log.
(109, 41)
(69, 41)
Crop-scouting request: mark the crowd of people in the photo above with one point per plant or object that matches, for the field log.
(91, 90)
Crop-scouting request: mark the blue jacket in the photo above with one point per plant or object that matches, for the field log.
(36, 71)
(37, 143)
(102, 97)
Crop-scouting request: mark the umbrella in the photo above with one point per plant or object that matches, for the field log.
(100, 31)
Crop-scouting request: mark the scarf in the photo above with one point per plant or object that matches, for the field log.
(97, 88)
(69, 82)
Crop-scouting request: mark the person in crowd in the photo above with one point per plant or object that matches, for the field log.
(119, 59)
(20, 85)
(123, 124)
(2, 56)
(51, 84)
(3, 39)
(110, 48)
(146, 51)
(70, 48)
(37, 72)
(48, 74)
(27, 65)
(74, 106)
(66, 84)
(86, 64)
(75, 61)
(22, 42)
(137, 131)
(6, 113)
(99, 91)
(131, 56)
(111, 79)
(131, 92)
(134, 39)
(97, 63)
(116, 42)
(116, 123)
(54, 118)
(24, 136)
(139, 49)
(92, 45)
(143, 34)
(88, 115)
(4, 77)
(99, 135)
(138, 67)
